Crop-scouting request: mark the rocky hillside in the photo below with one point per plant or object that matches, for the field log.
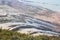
(37, 16)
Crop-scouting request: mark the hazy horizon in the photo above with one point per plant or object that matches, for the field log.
(50, 4)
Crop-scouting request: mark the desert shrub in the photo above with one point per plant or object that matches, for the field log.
(10, 35)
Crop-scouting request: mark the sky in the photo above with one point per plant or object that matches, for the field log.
(50, 4)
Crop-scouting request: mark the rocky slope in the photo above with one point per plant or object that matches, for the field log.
(38, 17)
